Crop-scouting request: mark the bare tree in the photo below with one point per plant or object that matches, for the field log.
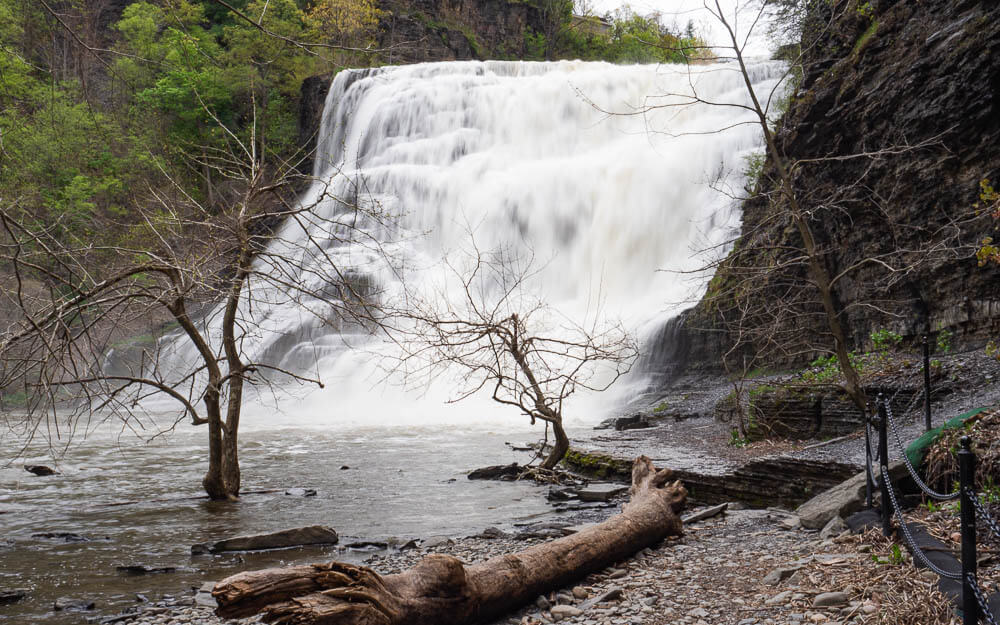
(176, 313)
(502, 339)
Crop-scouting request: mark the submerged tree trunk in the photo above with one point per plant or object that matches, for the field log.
(440, 590)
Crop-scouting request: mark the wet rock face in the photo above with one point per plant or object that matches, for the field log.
(911, 73)
(907, 74)
(454, 30)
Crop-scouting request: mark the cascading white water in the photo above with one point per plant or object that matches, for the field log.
(588, 166)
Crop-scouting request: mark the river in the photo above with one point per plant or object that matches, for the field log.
(139, 503)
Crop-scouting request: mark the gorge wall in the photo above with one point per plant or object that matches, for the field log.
(455, 30)
(884, 75)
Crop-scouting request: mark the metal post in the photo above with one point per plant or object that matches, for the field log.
(966, 480)
(869, 487)
(927, 384)
(883, 461)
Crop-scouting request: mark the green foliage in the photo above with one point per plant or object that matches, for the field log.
(990, 491)
(944, 341)
(883, 340)
(662, 407)
(632, 39)
(754, 168)
(188, 77)
(990, 251)
(823, 369)
(735, 440)
(535, 45)
(865, 37)
(896, 555)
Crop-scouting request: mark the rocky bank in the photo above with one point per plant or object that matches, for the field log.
(741, 567)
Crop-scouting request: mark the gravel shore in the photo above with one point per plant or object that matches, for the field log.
(744, 567)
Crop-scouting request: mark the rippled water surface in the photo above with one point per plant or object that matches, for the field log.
(140, 503)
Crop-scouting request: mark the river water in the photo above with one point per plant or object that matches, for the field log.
(140, 503)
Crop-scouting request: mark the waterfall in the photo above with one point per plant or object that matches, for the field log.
(587, 166)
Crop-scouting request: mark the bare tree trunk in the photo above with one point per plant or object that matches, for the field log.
(817, 269)
(440, 590)
(561, 447)
(214, 481)
(230, 464)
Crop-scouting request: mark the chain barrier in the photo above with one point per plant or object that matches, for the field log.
(909, 467)
(984, 606)
(975, 606)
(906, 531)
(984, 514)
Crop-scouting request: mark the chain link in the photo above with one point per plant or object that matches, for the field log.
(984, 607)
(909, 467)
(984, 514)
(917, 553)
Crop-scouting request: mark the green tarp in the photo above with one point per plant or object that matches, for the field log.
(918, 449)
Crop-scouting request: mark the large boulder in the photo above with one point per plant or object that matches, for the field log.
(312, 535)
(842, 500)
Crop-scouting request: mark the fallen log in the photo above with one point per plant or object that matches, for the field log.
(440, 590)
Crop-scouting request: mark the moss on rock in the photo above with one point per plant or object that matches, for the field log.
(598, 465)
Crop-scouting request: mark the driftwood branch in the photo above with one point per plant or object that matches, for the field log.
(440, 589)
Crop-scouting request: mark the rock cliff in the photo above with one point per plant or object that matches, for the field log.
(885, 75)
(453, 30)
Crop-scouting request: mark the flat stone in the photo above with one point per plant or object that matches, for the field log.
(39, 469)
(12, 596)
(698, 613)
(633, 422)
(206, 600)
(565, 611)
(142, 569)
(601, 492)
(706, 513)
(492, 533)
(573, 529)
(496, 472)
(779, 575)
(842, 500)
(68, 537)
(612, 594)
(780, 599)
(432, 542)
(301, 492)
(368, 545)
(790, 523)
(580, 592)
(835, 527)
(71, 604)
(312, 535)
(830, 599)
